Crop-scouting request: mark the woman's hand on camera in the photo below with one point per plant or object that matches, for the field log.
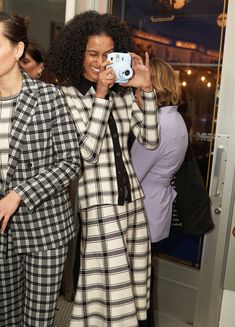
(106, 80)
(141, 78)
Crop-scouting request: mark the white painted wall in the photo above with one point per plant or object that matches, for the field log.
(77, 6)
(227, 318)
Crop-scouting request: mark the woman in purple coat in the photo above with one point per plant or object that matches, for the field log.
(156, 168)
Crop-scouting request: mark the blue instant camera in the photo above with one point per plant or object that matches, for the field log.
(121, 64)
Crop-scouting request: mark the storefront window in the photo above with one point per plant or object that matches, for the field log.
(189, 35)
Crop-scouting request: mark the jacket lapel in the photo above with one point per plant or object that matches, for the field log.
(77, 100)
(24, 111)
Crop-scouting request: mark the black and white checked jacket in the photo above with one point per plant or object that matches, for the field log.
(98, 184)
(44, 157)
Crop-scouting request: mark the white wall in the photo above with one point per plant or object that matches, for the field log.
(42, 13)
(227, 310)
(77, 6)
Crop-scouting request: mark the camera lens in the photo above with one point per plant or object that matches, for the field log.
(127, 73)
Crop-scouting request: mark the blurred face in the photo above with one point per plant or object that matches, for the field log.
(9, 54)
(97, 48)
(31, 67)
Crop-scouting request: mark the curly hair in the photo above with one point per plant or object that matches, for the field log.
(166, 83)
(66, 54)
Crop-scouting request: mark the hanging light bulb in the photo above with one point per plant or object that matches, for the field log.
(221, 20)
(178, 4)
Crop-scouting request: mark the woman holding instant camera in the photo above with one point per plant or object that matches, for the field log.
(114, 278)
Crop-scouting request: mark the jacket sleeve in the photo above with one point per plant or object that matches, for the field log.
(66, 166)
(144, 122)
(90, 134)
(142, 167)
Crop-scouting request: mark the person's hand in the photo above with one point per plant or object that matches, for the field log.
(8, 205)
(106, 80)
(141, 78)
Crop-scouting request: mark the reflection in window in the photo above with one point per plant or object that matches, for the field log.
(191, 42)
(189, 35)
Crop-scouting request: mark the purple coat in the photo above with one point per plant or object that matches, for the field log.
(155, 169)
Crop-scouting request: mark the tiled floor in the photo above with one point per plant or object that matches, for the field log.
(63, 313)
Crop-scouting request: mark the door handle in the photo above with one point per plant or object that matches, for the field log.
(218, 160)
(217, 211)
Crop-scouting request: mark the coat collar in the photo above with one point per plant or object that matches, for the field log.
(167, 109)
(85, 85)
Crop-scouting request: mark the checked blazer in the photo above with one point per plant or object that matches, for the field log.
(44, 158)
(98, 183)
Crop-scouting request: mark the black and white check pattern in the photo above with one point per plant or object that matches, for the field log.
(30, 301)
(114, 280)
(43, 158)
(113, 286)
(98, 183)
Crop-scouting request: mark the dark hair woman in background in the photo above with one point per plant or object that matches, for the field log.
(113, 284)
(33, 60)
(33, 63)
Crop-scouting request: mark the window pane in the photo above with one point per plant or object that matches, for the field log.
(189, 35)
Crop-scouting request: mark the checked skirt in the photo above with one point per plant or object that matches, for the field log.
(114, 280)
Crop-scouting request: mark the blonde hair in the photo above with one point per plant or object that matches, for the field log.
(165, 82)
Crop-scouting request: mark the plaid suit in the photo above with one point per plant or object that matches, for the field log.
(98, 183)
(114, 280)
(43, 159)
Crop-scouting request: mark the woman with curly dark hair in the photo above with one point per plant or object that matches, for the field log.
(114, 277)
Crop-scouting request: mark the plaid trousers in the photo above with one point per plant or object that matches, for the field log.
(29, 287)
